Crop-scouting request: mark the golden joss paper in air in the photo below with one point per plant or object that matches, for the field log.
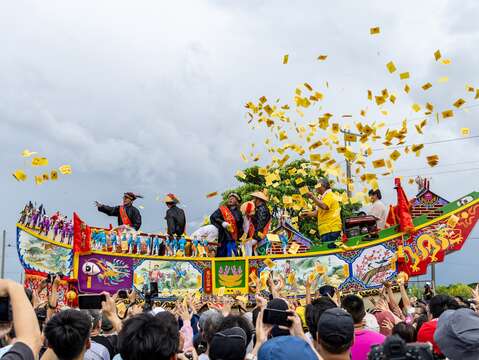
(437, 55)
(407, 88)
(65, 169)
(28, 153)
(303, 190)
(443, 79)
(39, 161)
(53, 175)
(379, 163)
(350, 137)
(211, 194)
(459, 102)
(395, 155)
(446, 61)
(241, 174)
(465, 131)
(447, 114)
(374, 30)
(322, 57)
(404, 75)
(285, 59)
(20, 175)
(427, 86)
(391, 67)
(416, 107)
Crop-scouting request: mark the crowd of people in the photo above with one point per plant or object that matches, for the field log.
(325, 325)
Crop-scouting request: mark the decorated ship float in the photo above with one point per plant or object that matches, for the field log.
(92, 260)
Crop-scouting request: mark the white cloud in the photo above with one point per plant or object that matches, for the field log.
(149, 96)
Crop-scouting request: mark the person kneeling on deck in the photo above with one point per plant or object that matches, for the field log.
(229, 222)
(328, 213)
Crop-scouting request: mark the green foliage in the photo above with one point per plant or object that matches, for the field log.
(455, 290)
(286, 186)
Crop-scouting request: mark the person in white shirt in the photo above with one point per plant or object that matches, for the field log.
(378, 209)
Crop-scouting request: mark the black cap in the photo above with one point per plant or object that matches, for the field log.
(229, 344)
(336, 327)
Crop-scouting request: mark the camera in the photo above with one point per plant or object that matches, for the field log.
(395, 348)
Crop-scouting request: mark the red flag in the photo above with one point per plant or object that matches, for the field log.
(81, 235)
(403, 209)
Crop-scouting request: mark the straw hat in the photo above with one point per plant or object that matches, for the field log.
(260, 195)
(171, 198)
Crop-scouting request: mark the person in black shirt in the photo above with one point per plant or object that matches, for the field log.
(127, 214)
(228, 219)
(261, 218)
(175, 217)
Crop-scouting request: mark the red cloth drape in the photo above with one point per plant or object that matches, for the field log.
(403, 209)
(81, 235)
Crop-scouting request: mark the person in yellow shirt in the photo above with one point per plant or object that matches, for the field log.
(328, 213)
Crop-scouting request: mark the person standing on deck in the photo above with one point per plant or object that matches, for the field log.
(378, 209)
(229, 222)
(127, 214)
(261, 218)
(175, 218)
(328, 213)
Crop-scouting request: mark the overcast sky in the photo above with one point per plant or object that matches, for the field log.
(148, 96)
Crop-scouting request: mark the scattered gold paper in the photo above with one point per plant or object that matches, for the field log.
(20, 175)
(391, 67)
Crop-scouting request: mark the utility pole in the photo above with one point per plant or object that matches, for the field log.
(433, 277)
(4, 241)
(348, 163)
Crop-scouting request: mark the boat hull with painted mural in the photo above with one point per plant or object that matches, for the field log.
(359, 264)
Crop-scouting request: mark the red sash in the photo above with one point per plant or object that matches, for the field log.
(230, 219)
(250, 229)
(124, 217)
(266, 228)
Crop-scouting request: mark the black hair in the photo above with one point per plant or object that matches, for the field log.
(149, 337)
(420, 321)
(67, 333)
(376, 192)
(314, 311)
(441, 303)
(232, 321)
(354, 305)
(334, 348)
(407, 332)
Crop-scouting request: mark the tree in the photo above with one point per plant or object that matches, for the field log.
(455, 290)
(284, 185)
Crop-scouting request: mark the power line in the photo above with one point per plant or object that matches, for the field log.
(441, 165)
(433, 173)
(463, 108)
(429, 143)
